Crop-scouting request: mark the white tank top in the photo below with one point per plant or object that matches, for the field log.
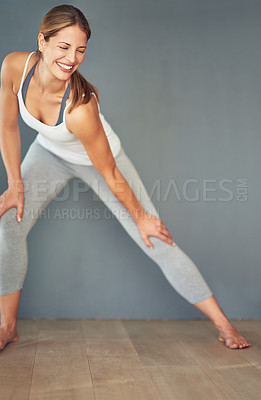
(58, 139)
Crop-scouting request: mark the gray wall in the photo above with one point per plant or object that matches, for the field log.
(179, 81)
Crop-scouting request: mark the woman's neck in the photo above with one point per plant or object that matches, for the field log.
(47, 82)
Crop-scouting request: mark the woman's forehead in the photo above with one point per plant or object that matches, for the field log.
(71, 33)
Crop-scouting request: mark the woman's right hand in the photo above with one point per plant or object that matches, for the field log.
(13, 197)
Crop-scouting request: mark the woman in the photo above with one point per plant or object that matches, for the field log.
(74, 140)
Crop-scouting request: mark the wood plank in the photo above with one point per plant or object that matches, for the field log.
(17, 361)
(104, 329)
(155, 343)
(184, 382)
(107, 338)
(150, 328)
(121, 377)
(61, 369)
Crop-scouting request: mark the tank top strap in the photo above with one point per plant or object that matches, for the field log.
(24, 71)
(27, 80)
(95, 98)
(97, 101)
(63, 108)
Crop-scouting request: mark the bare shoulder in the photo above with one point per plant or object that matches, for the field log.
(12, 68)
(84, 117)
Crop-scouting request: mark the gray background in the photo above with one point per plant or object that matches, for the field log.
(179, 82)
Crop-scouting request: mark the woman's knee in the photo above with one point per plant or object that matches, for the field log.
(9, 223)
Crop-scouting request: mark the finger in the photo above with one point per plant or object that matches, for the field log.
(19, 212)
(166, 233)
(165, 239)
(2, 211)
(148, 242)
(20, 207)
(164, 229)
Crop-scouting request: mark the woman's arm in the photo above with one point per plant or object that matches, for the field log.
(84, 122)
(10, 142)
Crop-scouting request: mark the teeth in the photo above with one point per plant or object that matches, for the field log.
(64, 66)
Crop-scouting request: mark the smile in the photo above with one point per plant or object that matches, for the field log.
(65, 67)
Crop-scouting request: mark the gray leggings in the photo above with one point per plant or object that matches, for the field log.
(40, 169)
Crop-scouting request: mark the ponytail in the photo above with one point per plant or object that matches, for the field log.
(79, 87)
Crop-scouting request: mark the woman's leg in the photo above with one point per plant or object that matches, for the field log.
(44, 175)
(176, 265)
(227, 332)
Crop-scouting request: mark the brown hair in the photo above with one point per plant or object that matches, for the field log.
(58, 18)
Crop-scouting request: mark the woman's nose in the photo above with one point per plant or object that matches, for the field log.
(71, 57)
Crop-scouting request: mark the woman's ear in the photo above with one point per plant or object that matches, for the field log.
(41, 42)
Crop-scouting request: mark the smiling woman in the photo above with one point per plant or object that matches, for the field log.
(70, 44)
(75, 140)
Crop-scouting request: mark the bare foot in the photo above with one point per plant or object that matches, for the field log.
(7, 336)
(232, 338)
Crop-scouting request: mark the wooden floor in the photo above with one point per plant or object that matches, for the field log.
(129, 359)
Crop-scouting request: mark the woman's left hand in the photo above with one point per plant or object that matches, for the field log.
(149, 225)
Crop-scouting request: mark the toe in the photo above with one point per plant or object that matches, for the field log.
(231, 344)
(244, 343)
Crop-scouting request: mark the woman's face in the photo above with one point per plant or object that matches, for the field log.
(64, 52)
